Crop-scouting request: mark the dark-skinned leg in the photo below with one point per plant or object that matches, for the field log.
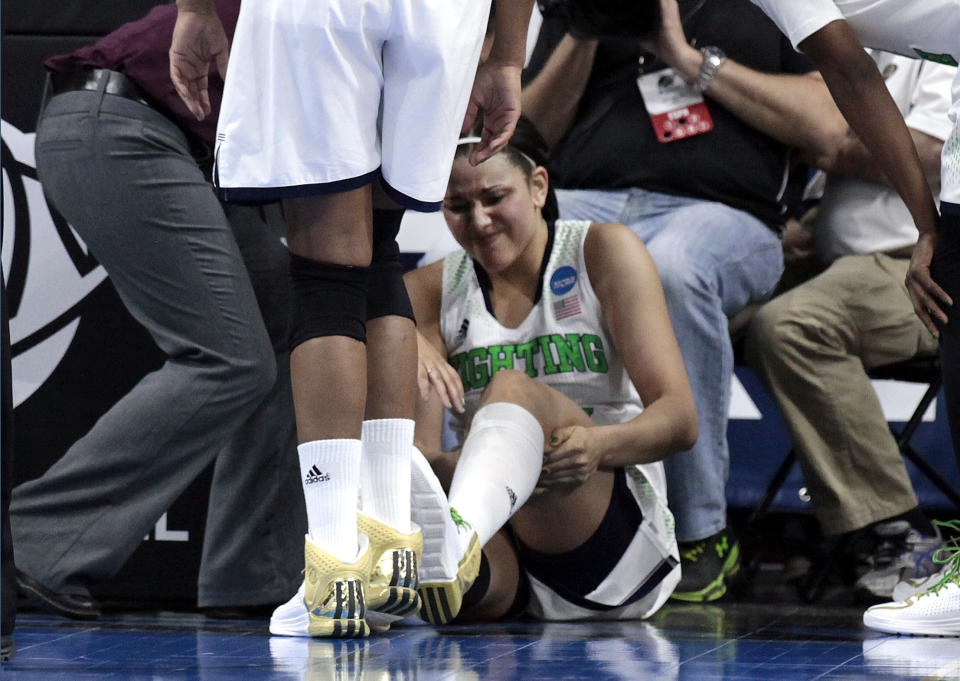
(330, 241)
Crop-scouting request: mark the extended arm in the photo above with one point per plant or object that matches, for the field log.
(851, 157)
(860, 94)
(862, 97)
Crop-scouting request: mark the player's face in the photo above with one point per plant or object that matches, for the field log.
(493, 210)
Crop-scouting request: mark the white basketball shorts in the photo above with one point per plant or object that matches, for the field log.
(324, 96)
(642, 579)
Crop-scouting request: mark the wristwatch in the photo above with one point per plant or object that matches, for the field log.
(713, 58)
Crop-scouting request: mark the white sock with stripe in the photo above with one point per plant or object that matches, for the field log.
(385, 471)
(499, 466)
(330, 474)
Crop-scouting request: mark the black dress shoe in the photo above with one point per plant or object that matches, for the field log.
(7, 648)
(73, 606)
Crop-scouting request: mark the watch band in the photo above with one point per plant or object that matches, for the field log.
(713, 58)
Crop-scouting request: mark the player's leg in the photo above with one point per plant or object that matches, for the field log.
(627, 566)
(329, 237)
(497, 470)
(946, 272)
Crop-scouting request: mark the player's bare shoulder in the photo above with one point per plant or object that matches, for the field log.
(611, 245)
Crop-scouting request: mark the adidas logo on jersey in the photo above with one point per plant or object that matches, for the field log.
(462, 333)
(315, 475)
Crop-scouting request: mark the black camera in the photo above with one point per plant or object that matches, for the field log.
(605, 18)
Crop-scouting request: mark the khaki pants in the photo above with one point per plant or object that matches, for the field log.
(811, 347)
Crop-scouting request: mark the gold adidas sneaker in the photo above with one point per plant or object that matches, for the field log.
(334, 592)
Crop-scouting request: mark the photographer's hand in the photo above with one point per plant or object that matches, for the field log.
(670, 44)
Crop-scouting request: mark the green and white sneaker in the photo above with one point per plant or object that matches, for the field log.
(935, 612)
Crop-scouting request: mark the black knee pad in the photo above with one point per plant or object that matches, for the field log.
(327, 300)
(388, 294)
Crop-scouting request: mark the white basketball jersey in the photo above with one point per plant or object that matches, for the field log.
(563, 342)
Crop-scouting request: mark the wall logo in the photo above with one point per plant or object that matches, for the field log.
(48, 270)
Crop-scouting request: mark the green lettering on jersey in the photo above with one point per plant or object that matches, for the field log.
(549, 365)
(947, 59)
(477, 373)
(527, 352)
(593, 353)
(501, 357)
(561, 354)
(568, 352)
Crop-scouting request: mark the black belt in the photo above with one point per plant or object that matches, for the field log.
(91, 79)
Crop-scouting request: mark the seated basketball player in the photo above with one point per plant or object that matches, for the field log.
(553, 341)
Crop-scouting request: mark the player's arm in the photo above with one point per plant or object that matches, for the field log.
(860, 94)
(926, 119)
(198, 40)
(851, 157)
(631, 297)
(496, 90)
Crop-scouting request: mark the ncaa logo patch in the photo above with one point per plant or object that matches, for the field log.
(563, 280)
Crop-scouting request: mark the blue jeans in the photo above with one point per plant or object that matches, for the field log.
(713, 261)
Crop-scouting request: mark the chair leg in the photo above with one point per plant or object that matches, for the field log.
(903, 436)
(933, 476)
(772, 488)
(903, 442)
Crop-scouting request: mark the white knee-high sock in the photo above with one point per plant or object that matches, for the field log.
(499, 466)
(330, 474)
(385, 471)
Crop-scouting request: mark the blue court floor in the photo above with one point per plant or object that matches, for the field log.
(740, 641)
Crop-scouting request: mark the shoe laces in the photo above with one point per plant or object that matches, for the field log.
(948, 556)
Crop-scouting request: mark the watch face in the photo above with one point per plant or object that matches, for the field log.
(713, 54)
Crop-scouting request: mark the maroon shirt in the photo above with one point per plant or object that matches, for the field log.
(140, 51)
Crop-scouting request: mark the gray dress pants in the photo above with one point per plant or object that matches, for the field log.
(122, 174)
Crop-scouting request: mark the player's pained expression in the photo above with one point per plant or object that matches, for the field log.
(493, 211)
